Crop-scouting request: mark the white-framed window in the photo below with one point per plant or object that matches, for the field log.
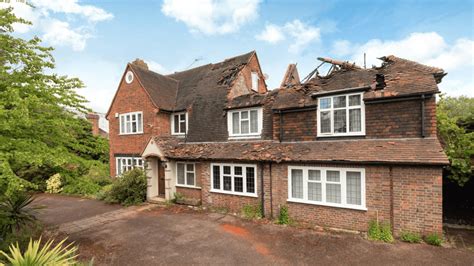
(179, 123)
(255, 79)
(236, 179)
(245, 123)
(186, 174)
(341, 115)
(335, 187)
(124, 164)
(131, 123)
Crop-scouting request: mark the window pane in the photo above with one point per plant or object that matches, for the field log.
(226, 170)
(238, 170)
(180, 174)
(134, 126)
(182, 127)
(339, 121)
(325, 103)
(227, 183)
(238, 184)
(235, 123)
(190, 167)
(190, 179)
(244, 115)
(353, 188)
(333, 176)
(129, 162)
(325, 122)
(139, 122)
(128, 130)
(216, 177)
(250, 172)
(119, 166)
(297, 183)
(333, 193)
(355, 124)
(122, 124)
(245, 127)
(339, 101)
(176, 123)
(314, 175)
(253, 121)
(314, 191)
(354, 100)
(182, 117)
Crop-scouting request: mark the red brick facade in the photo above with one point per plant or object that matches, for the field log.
(133, 98)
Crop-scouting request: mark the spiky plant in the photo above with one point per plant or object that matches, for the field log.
(37, 254)
(16, 212)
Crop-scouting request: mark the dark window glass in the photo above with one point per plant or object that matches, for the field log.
(176, 123)
(238, 184)
(227, 183)
(226, 170)
(250, 174)
(216, 177)
(238, 170)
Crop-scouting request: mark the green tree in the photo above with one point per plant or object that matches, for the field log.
(41, 132)
(455, 122)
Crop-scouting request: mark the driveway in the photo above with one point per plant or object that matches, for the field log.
(152, 235)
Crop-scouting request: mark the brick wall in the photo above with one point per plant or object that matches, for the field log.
(132, 98)
(383, 120)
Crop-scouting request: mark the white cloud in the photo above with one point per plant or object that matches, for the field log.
(428, 48)
(212, 16)
(299, 34)
(157, 67)
(53, 30)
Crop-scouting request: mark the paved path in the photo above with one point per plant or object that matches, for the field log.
(178, 235)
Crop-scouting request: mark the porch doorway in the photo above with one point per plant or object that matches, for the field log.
(161, 179)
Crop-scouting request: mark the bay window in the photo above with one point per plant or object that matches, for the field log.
(336, 187)
(341, 115)
(237, 179)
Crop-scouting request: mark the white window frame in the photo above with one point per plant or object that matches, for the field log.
(244, 179)
(123, 167)
(131, 115)
(186, 171)
(173, 132)
(347, 108)
(343, 183)
(255, 80)
(249, 135)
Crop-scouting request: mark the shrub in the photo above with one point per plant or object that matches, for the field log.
(284, 217)
(15, 213)
(252, 211)
(434, 239)
(81, 186)
(53, 184)
(102, 194)
(380, 231)
(21, 237)
(129, 189)
(410, 237)
(38, 254)
(177, 197)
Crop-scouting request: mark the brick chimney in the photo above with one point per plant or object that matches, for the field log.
(140, 63)
(94, 120)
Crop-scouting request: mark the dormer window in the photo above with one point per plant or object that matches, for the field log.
(179, 123)
(245, 123)
(255, 79)
(131, 123)
(341, 115)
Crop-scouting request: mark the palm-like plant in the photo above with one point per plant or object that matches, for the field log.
(37, 254)
(15, 212)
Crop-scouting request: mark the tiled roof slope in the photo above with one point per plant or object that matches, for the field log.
(402, 77)
(417, 151)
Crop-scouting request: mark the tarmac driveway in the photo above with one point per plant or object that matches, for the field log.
(151, 235)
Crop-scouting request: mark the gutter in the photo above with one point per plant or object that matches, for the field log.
(326, 93)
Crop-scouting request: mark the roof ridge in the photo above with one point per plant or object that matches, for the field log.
(436, 70)
(152, 72)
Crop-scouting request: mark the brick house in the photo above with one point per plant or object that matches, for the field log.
(338, 150)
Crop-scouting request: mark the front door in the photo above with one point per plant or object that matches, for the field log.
(161, 180)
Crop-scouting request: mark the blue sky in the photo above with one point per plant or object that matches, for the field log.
(95, 39)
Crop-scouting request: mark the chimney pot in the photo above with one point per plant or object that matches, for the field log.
(140, 63)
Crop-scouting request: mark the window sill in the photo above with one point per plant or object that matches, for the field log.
(186, 186)
(341, 135)
(234, 193)
(352, 207)
(127, 134)
(245, 137)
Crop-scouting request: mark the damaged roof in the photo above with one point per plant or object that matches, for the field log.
(416, 151)
(402, 78)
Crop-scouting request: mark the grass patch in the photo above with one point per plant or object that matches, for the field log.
(380, 232)
(410, 237)
(252, 211)
(434, 239)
